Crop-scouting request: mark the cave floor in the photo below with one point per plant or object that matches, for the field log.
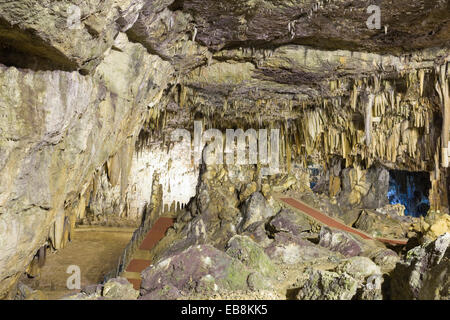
(95, 250)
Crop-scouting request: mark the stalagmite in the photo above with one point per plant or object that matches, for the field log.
(114, 167)
(58, 236)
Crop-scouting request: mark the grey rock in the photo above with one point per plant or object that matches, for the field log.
(360, 268)
(258, 233)
(290, 249)
(425, 273)
(326, 285)
(255, 209)
(385, 258)
(250, 254)
(288, 220)
(340, 241)
(119, 289)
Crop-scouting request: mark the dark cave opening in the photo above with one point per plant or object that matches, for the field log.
(410, 189)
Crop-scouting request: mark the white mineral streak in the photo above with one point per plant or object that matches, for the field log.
(178, 177)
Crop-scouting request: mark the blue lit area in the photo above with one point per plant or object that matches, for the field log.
(410, 189)
(314, 174)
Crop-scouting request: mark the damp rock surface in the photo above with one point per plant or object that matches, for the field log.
(106, 108)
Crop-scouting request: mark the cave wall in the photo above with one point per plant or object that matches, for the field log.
(57, 128)
(75, 99)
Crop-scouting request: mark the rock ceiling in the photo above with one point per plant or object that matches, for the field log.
(75, 93)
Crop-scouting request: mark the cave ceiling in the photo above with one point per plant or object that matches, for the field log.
(254, 60)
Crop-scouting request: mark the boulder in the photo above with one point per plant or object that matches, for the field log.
(257, 232)
(199, 269)
(288, 220)
(119, 289)
(250, 254)
(92, 289)
(340, 241)
(326, 285)
(385, 258)
(322, 203)
(290, 249)
(359, 268)
(435, 225)
(255, 209)
(381, 225)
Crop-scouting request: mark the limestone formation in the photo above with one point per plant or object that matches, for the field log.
(115, 113)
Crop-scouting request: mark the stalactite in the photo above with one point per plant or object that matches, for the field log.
(442, 87)
(421, 79)
(368, 119)
(183, 93)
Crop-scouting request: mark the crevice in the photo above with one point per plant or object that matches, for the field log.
(24, 49)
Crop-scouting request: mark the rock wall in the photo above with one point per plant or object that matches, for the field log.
(57, 128)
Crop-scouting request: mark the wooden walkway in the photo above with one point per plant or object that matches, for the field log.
(142, 258)
(331, 222)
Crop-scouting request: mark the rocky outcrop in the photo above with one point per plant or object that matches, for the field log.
(365, 188)
(379, 225)
(425, 273)
(64, 35)
(288, 220)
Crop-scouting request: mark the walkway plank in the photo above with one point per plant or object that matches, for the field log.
(138, 265)
(157, 232)
(331, 222)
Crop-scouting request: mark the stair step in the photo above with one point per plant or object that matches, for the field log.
(138, 265)
(136, 283)
(157, 232)
(142, 255)
(131, 275)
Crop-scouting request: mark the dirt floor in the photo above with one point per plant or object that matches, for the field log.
(96, 250)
